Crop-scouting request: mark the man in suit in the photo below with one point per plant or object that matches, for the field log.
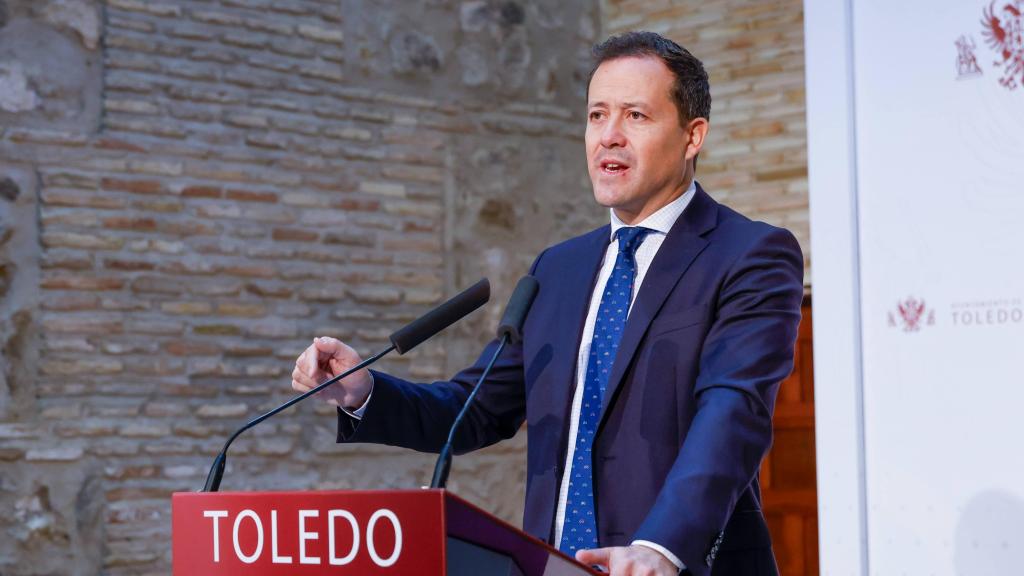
(651, 356)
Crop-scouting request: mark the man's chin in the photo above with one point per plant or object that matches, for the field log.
(611, 198)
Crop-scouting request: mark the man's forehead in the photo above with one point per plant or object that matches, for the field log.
(630, 79)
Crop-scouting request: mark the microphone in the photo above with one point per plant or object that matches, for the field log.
(509, 330)
(402, 340)
(443, 316)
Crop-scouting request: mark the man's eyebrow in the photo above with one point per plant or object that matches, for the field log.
(623, 105)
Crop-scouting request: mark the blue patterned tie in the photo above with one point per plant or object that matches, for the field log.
(579, 529)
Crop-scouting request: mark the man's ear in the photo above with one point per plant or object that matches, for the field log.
(697, 130)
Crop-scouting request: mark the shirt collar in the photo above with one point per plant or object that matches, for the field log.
(662, 220)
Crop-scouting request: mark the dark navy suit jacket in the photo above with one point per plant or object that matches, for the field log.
(686, 418)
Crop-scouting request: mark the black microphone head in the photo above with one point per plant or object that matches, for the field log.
(443, 316)
(518, 305)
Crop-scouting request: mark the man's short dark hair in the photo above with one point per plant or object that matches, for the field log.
(691, 91)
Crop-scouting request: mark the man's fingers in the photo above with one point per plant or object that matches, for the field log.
(628, 561)
(328, 347)
(301, 382)
(598, 556)
(337, 366)
(307, 361)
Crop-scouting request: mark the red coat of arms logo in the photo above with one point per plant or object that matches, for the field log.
(1004, 32)
(911, 314)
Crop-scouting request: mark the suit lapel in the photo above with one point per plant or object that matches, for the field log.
(682, 244)
(575, 285)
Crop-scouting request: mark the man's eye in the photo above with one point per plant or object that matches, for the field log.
(634, 115)
(595, 115)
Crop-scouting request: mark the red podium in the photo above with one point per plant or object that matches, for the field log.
(393, 532)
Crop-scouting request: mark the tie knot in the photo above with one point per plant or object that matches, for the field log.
(630, 238)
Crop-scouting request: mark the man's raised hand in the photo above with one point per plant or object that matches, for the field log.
(324, 359)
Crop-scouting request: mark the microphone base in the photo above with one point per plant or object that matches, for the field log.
(442, 468)
(216, 473)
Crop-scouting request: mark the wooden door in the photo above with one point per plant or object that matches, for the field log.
(788, 481)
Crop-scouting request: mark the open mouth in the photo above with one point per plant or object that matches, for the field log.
(612, 167)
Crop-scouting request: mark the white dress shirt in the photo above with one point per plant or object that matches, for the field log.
(660, 222)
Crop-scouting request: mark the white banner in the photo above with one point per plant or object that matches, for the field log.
(938, 131)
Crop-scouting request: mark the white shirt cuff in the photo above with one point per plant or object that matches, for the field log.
(663, 551)
(358, 412)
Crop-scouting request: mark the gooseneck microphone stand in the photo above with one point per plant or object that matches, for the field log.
(510, 330)
(217, 470)
(403, 340)
(444, 459)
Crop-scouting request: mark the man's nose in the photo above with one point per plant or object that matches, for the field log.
(612, 135)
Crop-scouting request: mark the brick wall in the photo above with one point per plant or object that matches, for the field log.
(755, 159)
(192, 190)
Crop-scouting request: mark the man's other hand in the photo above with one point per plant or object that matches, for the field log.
(324, 359)
(628, 561)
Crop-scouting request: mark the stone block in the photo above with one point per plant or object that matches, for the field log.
(163, 206)
(154, 327)
(222, 410)
(383, 188)
(58, 454)
(297, 49)
(244, 40)
(269, 25)
(82, 367)
(114, 447)
(217, 330)
(62, 412)
(348, 133)
(155, 167)
(201, 192)
(15, 431)
(274, 446)
(134, 186)
(131, 106)
(82, 241)
(147, 7)
(144, 430)
(246, 121)
(129, 223)
(15, 94)
(47, 78)
(217, 18)
(186, 307)
(216, 287)
(70, 302)
(241, 309)
(280, 329)
(84, 429)
(330, 35)
(165, 410)
(269, 141)
(178, 447)
(294, 235)
(250, 195)
(11, 454)
(184, 471)
(65, 323)
(375, 295)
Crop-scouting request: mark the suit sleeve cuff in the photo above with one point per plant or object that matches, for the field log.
(661, 550)
(358, 412)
